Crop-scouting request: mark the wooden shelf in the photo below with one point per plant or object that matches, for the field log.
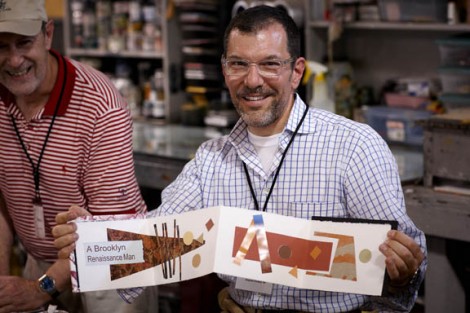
(122, 54)
(398, 26)
(168, 59)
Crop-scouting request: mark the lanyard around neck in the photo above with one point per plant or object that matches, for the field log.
(36, 174)
(255, 200)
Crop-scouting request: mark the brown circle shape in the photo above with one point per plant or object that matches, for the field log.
(196, 260)
(284, 252)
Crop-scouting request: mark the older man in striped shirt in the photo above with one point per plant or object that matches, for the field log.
(66, 138)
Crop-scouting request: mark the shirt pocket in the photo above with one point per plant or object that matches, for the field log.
(307, 210)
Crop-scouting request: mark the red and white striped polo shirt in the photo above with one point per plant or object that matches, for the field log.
(87, 160)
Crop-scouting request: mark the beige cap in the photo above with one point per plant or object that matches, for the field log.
(22, 17)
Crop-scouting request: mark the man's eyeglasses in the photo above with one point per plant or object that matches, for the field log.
(266, 68)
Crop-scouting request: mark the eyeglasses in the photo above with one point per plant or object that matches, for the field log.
(266, 68)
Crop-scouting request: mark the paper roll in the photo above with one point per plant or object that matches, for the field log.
(238, 7)
(255, 3)
(295, 9)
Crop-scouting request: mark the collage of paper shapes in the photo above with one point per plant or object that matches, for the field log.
(312, 254)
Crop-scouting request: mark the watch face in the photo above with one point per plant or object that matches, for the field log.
(47, 284)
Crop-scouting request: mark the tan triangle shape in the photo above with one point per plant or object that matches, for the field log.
(294, 271)
(201, 238)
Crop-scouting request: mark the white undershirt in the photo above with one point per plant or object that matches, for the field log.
(266, 148)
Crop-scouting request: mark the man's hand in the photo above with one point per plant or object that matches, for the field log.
(18, 294)
(403, 257)
(65, 231)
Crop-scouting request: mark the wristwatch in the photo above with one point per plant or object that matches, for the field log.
(47, 285)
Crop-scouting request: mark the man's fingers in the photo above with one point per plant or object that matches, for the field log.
(65, 252)
(63, 218)
(396, 269)
(408, 242)
(63, 229)
(403, 256)
(65, 239)
(406, 248)
(79, 211)
(73, 212)
(65, 232)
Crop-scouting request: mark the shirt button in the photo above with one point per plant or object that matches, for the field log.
(266, 191)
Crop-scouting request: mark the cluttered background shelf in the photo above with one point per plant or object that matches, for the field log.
(408, 26)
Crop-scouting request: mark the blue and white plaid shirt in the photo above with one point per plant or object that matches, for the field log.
(335, 168)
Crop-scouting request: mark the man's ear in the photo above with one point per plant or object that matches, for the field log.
(298, 71)
(49, 33)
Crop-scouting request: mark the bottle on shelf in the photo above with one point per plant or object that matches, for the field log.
(130, 91)
(77, 7)
(135, 25)
(320, 98)
(103, 23)
(119, 26)
(159, 109)
(89, 26)
(154, 97)
(151, 28)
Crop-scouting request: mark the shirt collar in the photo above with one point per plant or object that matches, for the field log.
(239, 132)
(6, 97)
(65, 82)
(296, 116)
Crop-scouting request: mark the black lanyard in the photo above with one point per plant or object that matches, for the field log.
(255, 200)
(36, 167)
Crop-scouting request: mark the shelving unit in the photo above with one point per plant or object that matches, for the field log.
(168, 60)
(397, 26)
(94, 53)
(379, 51)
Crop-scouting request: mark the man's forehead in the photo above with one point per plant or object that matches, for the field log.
(256, 30)
(271, 40)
